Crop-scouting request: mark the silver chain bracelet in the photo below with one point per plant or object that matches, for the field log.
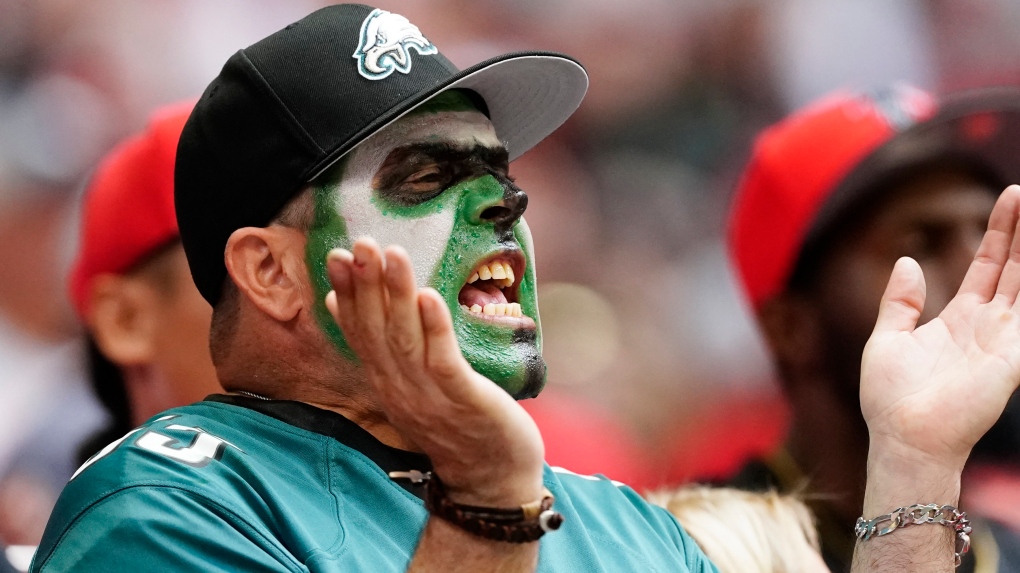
(917, 514)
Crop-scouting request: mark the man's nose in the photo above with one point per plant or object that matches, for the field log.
(506, 211)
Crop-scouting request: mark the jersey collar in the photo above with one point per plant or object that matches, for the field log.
(333, 425)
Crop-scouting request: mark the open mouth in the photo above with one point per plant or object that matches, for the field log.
(491, 289)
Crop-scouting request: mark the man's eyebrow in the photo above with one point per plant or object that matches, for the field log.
(456, 161)
(445, 151)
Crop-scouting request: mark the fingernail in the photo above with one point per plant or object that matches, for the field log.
(342, 255)
(338, 266)
(431, 307)
(338, 260)
(360, 253)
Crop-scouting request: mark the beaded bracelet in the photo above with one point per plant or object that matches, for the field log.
(522, 524)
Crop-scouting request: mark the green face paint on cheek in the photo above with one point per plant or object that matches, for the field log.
(510, 358)
(328, 232)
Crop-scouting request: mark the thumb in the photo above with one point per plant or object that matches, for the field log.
(903, 300)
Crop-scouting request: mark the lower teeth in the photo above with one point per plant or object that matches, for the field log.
(512, 309)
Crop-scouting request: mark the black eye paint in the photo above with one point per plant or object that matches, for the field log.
(414, 174)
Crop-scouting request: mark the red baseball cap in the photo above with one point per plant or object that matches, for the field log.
(128, 206)
(809, 169)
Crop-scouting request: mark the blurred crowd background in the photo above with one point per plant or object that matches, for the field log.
(645, 332)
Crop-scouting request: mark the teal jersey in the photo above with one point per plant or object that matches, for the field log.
(239, 484)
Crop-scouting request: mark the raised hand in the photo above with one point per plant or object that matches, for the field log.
(483, 445)
(932, 391)
(929, 392)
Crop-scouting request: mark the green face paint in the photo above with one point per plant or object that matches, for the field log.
(510, 357)
(448, 231)
(328, 232)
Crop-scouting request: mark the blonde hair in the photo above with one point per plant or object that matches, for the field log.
(745, 532)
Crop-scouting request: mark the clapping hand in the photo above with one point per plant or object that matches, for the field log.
(929, 392)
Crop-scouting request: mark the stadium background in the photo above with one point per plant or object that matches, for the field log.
(643, 324)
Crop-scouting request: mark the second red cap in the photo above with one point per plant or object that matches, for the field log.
(128, 206)
(806, 170)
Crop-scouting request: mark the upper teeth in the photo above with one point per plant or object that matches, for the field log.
(501, 271)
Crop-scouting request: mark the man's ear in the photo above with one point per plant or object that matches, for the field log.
(123, 318)
(791, 326)
(267, 264)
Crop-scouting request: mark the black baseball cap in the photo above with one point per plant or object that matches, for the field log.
(286, 108)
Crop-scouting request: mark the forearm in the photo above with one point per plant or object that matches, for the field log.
(896, 479)
(444, 547)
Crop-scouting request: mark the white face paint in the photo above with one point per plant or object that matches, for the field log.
(424, 238)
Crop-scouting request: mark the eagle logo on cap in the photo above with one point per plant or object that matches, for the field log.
(386, 43)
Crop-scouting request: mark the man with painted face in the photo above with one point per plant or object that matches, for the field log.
(370, 421)
(344, 125)
(833, 196)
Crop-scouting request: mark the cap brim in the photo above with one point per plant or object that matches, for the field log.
(528, 95)
(979, 127)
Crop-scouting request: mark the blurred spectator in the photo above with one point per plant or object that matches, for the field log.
(148, 328)
(53, 128)
(747, 532)
(832, 197)
(73, 78)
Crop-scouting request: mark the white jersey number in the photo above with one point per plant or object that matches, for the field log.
(204, 447)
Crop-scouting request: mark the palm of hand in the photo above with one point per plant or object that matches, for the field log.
(937, 388)
(476, 435)
(943, 385)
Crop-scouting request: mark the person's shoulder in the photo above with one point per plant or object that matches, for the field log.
(597, 489)
(620, 521)
(184, 448)
(209, 456)
(172, 445)
(196, 447)
(167, 527)
(190, 437)
(596, 498)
